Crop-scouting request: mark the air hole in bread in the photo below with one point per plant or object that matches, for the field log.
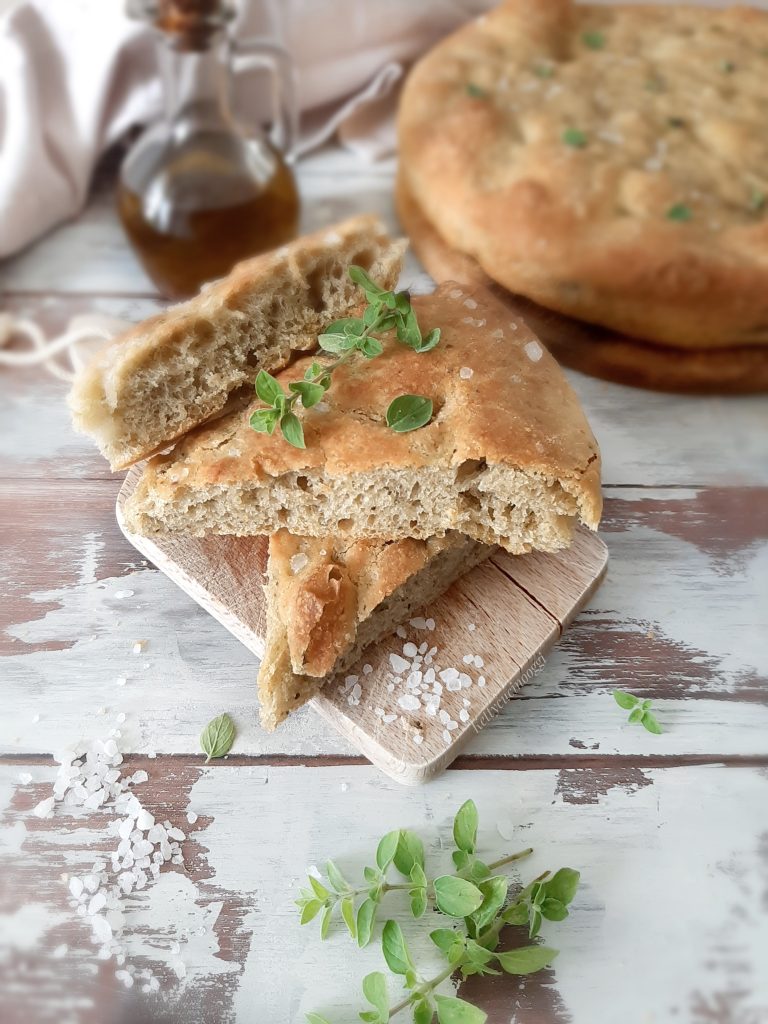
(470, 468)
(302, 483)
(345, 524)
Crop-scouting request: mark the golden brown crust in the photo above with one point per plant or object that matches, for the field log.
(500, 399)
(324, 587)
(595, 350)
(671, 104)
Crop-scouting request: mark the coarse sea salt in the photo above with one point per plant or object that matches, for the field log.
(466, 372)
(298, 563)
(91, 779)
(534, 351)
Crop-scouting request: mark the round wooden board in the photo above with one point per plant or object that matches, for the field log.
(589, 348)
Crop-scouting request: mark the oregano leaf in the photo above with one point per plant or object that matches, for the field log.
(267, 388)
(451, 1010)
(456, 897)
(375, 991)
(335, 877)
(394, 949)
(625, 700)
(465, 827)
(311, 909)
(217, 737)
(348, 915)
(385, 852)
(526, 960)
(264, 421)
(325, 922)
(292, 430)
(650, 722)
(318, 888)
(562, 885)
(366, 915)
(409, 412)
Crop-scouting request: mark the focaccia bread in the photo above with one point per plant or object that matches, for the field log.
(327, 600)
(595, 350)
(151, 385)
(507, 459)
(609, 162)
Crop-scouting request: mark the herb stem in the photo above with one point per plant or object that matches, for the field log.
(512, 857)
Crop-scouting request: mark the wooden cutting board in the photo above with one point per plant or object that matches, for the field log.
(508, 611)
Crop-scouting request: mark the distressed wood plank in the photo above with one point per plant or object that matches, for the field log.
(645, 848)
(67, 638)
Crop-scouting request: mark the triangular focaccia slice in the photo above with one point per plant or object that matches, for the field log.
(180, 368)
(507, 459)
(327, 601)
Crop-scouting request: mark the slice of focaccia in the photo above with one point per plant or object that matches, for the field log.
(508, 457)
(149, 386)
(328, 600)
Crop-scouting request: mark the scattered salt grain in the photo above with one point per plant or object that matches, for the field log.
(471, 627)
(191, 817)
(24, 778)
(468, 659)
(367, 669)
(44, 809)
(446, 736)
(418, 623)
(470, 303)
(481, 680)
(498, 333)
(408, 702)
(464, 715)
(479, 663)
(35, 719)
(430, 624)
(401, 632)
(298, 563)
(466, 372)
(122, 594)
(418, 738)
(534, 351)
(456, 293)
(399, 665)
(388, 719)
(410, 650)
(139, 646)
(121, 680)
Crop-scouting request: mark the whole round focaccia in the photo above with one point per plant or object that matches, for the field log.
(607, 162)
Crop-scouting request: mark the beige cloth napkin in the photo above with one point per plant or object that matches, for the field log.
(75, 75)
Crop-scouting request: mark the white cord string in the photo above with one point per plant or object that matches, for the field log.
(42, 351)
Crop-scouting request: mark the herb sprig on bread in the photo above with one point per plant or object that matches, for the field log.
(348, 338)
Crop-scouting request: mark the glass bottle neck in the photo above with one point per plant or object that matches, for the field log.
(196, 84)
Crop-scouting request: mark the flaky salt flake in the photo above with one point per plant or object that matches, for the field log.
(481, 680)
(388, 719)
(464, 715)
(418, 738)
(454, 685)
(367, 669)
(410, 650)
(466, 372)
(24, 778)
(400, 631)
(430, 624)
(120, 595)
(448, 675)
(298, 563)
(446, 736)
(418, 623)
(191, 817)
(471, 627)
(399, 665)
(534, 351)
(138, 646)
(470, 303)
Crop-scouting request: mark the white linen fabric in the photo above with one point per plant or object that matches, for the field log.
(75, 75)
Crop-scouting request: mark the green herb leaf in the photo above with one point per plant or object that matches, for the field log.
(350, 326)
(292, 430)
(534, 925)
(679, 212)
(625, 700)
(478, 871)
(593, 40)
(311, 394)
(429, 341)
(650, 723)
(267, 388)
(418, 901)
(544, 70)
(375, 991)
(409, 412)
(319, 889)
(554, 910)
(757, 200)
(636, 715)
(562, 885)
(465, 827)
(264, 421)
(362, 280)
(371, 347)
(423, 1012)
(444, 938)
(337, 343)
(217, 737)
(335, 877)
(311, 909)
(387, 848)
(676, 122)
(456, 897)
(526, 960)
(348, 915)
(325, 923)
(394, 949)
(366, 915)
(574, 137)
(727, 66)
(494, 892)
(475, 91)
(315, 1018)
(457, 1011)
(410, 851)
(516, 914)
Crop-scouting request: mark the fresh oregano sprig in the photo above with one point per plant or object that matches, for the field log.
(639, 710)
(347, 338)
(475, 897)
(217, 737)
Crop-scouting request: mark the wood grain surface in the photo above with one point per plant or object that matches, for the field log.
(669, 831)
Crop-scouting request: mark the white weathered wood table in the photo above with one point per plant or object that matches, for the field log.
(670, 832)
